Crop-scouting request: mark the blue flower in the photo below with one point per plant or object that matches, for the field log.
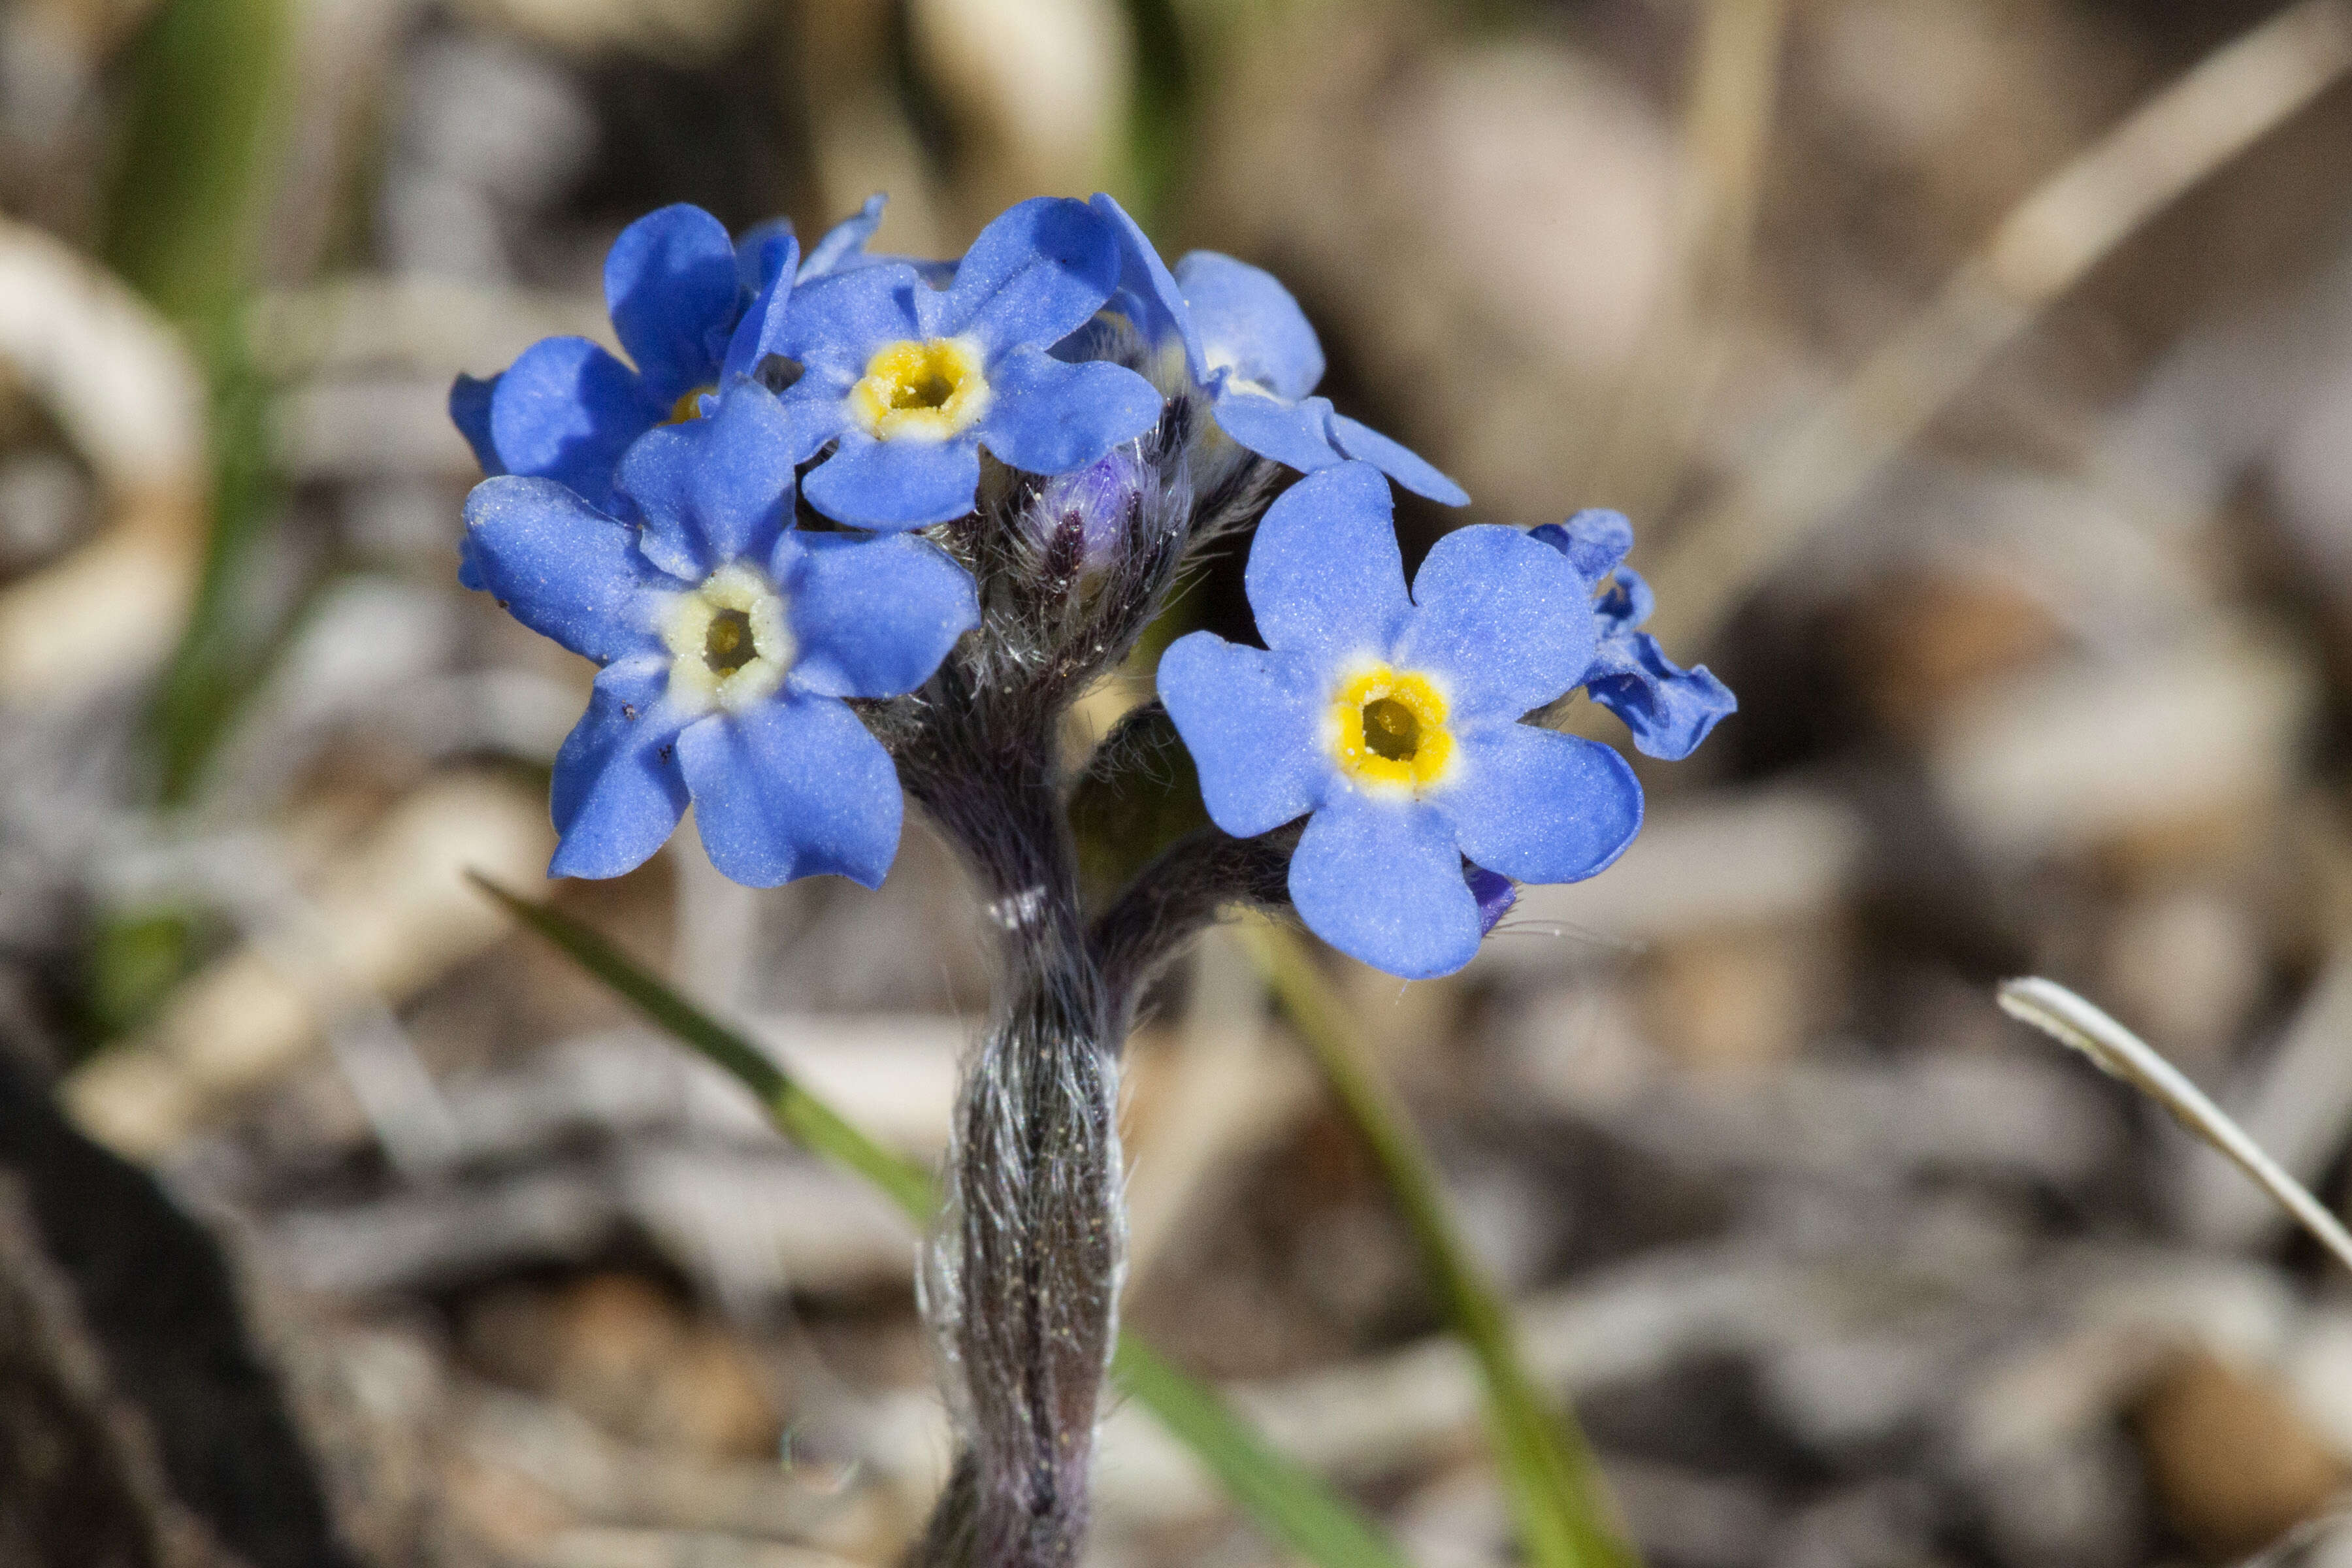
(912, 381)
(728, 641)
(1393, 720)
(1669, 710)
(692, 309)
(1249, 346)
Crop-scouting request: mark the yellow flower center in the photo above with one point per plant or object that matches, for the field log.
(728, 640)
(1387, 730)
(924, 391)
(689, 406)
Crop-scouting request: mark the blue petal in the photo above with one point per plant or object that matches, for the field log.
(469, 411)
(843, 245)
(1325, 578)
(1048, 417)
(836, 323)
(811, 418)
(1155, 303)
(567, 410)
(1297, 435)
(761, 331)
(1626, 604)
(1595, 540)
(670, 283)
(871, 617)
(1311, 436)
(1538, 805)
(893, 485)
(563, 569)
(1253, 721)
(1249, 324)
(1034, 275)
(713, 490)
(794, 787)
(1380, 880)
(617, 792)
(1361, 441)
(1668, 710)
(1507, 622)
(758, 251)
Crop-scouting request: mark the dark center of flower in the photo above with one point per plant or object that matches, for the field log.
(1392, 730)
(727, 646)
(928, 384)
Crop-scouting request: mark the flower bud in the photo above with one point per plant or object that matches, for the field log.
(1084, 514)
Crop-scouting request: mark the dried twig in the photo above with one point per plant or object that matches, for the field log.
(1735, 80)
(125, 392)
(2067, 1018)
(2042, 250)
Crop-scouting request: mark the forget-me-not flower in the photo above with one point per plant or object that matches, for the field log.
(912, 381)
(1669, 710)
(1393, 718)
(728, 641)
(692, 308)
(1248, 346)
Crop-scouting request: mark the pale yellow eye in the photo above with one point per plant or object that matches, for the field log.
(1387, 730)
(730, 643)
(926, 391)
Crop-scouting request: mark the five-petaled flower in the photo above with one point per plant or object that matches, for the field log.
(1394, 719)
(911, 381)
(692, 309)
(1668, 709)
(1248, 346)
(728, 641)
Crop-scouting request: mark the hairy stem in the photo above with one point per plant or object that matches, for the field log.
(1021, 1276)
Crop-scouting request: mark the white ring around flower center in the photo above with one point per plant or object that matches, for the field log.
(704, 627)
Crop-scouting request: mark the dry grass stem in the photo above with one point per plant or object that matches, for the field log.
(2069, 1019)
(2042, 250)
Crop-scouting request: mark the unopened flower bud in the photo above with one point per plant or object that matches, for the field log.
(1496, 895)
(1085, 513)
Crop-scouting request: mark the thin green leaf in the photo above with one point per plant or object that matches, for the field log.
(1290, 1503)
(191, 187)
(803, 1118)
(1555, 1486)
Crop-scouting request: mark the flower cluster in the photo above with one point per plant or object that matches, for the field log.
(648, 514)
(850, 528)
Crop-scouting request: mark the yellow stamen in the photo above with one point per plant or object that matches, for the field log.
(1389, 730)
(925, 391)
(689, 406)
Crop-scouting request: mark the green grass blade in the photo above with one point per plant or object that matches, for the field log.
(1565, 1517)
(1290, 1503)
(803, 1118)
(207, 84)
(192, 181)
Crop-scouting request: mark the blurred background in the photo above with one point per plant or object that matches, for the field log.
(1979, 374)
